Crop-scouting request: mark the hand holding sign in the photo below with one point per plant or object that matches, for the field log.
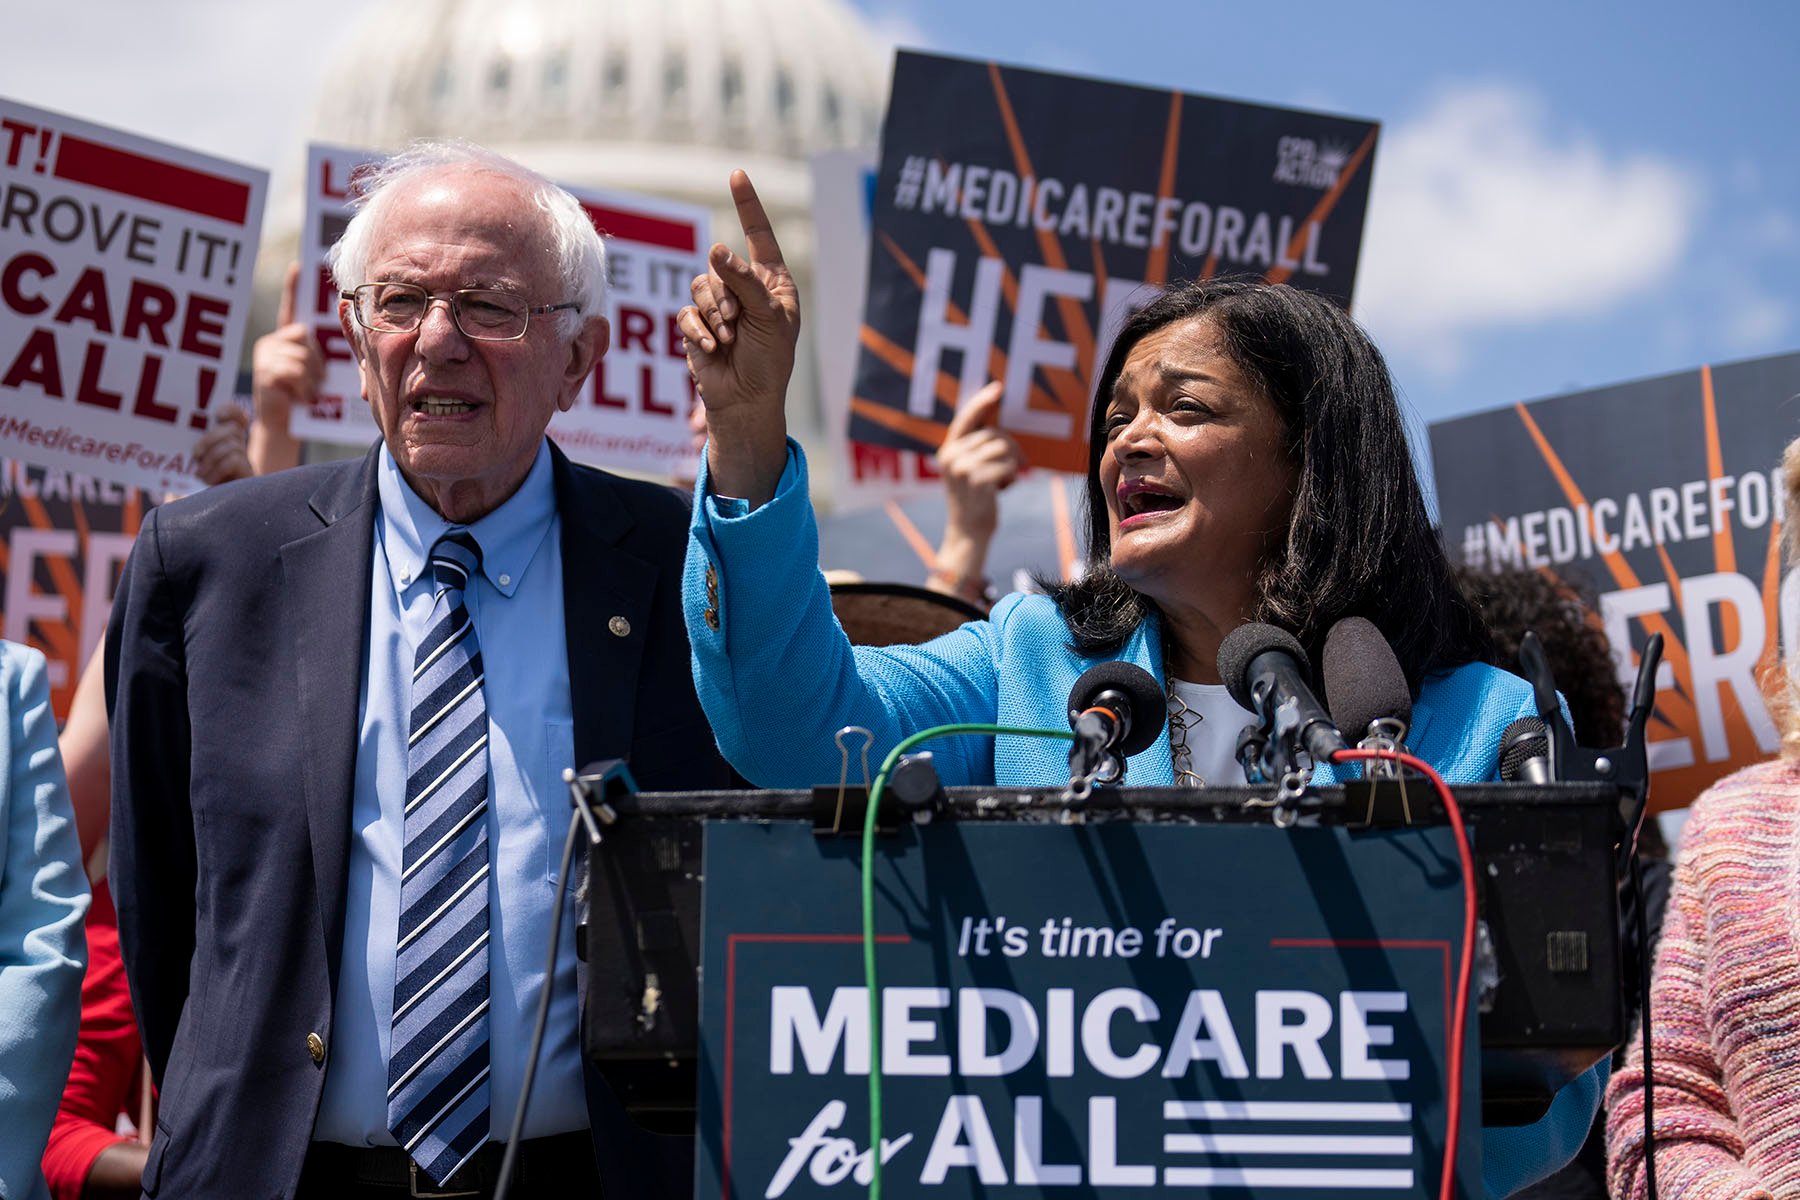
(219, 454)
(978, 462)
(285, 373)
(740, 333)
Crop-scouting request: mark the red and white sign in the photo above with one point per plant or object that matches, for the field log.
(633, 410)
(125, 271)
(338, 413)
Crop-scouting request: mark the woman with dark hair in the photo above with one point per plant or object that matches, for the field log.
(1248, 462)
(1346, 529)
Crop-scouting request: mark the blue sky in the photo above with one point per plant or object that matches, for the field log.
(1566, 195)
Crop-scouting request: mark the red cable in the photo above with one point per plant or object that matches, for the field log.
(1460, 1012)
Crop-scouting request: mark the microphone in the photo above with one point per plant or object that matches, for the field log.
(1116, 710)
(1364, 682)
(1265, 670)
(1525, 752)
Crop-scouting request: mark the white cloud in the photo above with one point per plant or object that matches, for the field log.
(1483, 217)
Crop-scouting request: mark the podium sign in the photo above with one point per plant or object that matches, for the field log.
(1108, 1007)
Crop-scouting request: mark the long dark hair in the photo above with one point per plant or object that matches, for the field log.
(1359, 541)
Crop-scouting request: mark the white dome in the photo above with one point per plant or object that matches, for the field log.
(658, 97)
(775, 78)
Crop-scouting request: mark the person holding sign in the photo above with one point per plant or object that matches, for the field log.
(1722, 993)
(286, 369)
(1248, 461)
(342, 700)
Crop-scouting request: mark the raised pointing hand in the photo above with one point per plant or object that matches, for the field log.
(740, 332)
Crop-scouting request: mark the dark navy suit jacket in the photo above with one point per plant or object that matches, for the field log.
(235, 668)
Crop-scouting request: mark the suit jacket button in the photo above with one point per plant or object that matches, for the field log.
(315, 1046)
(620, 627)
(712, 618)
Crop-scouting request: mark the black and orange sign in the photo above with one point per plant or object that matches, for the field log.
(64, 538)
(1019, 216)
(1665, 496)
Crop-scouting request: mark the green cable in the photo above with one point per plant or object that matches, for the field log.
(868, 911)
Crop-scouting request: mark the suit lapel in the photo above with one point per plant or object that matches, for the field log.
(326, 588)
(608, 595)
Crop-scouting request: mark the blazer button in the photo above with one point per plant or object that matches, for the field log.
(315, 1046)
(712, 618)
(619, 626)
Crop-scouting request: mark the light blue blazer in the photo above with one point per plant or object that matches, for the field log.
(43, 944)
(778, 678)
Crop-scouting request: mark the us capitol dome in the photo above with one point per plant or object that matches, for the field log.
(658, 97)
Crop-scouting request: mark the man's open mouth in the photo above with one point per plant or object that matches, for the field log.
(433, 406)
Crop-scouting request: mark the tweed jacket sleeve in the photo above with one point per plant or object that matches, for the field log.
(1725, 1012)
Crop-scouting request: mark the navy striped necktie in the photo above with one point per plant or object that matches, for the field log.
(438, 1052)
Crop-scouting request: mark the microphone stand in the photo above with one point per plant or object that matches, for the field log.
(1628, 767)
(589, 794)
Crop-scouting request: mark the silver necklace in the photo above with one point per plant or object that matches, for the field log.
(1182, 718)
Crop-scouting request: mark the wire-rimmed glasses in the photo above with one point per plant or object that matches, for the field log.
(480, 313)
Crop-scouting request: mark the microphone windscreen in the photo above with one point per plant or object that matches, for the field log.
(1149, 706)
(1525, 739)
(1241, 647)
(1363, 679)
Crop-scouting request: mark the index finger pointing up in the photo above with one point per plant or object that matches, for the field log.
(979, 411)
(759, 237)
(290, 293)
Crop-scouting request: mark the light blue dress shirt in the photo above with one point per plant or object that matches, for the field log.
(517, 606)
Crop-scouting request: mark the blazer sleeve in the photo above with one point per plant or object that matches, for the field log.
(43, 897)
(153, 869)
(775, 673)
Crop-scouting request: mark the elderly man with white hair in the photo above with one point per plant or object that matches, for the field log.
(342, 700)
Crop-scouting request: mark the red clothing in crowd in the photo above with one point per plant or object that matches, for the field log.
(105, 1078)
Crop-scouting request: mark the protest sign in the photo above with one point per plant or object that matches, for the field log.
(338, 413)
(1020, 216)
(1662, 495)
(1086, 1007)
(125, 274)
(843, 194)
(64, 539)
(632, 412)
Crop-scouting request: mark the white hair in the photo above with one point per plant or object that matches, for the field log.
(580, 254)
